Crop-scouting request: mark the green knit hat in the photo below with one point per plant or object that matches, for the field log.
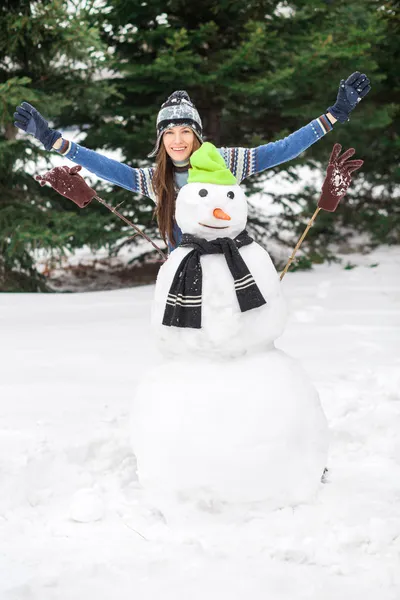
(208, 166)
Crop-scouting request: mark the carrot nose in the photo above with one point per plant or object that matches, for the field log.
(220, 214)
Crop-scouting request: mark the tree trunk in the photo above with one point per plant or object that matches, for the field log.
(212, 125)
(10, 132)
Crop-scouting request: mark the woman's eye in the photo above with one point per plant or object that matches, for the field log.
(203, 193)
(230, 195)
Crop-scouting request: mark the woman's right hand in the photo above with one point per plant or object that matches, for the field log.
(31, 121)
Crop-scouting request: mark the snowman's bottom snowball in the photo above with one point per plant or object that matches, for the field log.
(245, 430)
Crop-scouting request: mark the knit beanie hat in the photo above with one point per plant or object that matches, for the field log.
(208, 166)
(178, 110)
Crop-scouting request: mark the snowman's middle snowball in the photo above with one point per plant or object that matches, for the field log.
(184, 302)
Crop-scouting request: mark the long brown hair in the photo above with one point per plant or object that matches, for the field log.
(164, 186)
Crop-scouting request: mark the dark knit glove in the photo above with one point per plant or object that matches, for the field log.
(350, 93)
(338, 177)
(30, 120)
(67, 182)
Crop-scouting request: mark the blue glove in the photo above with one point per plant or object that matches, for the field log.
(351, 92)
(30, 120)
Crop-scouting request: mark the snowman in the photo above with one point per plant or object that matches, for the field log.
(226, 417)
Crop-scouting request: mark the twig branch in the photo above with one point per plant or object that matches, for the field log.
(137, 229)
(311, 221)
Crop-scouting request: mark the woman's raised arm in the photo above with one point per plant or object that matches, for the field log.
(130, 178)
(244, 162)
(31, 121)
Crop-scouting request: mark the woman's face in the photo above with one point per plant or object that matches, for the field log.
(178, 142)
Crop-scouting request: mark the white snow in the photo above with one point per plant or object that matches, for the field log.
(244, 429)
(69, 366)
(86, 506)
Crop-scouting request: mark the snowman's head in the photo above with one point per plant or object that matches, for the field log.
(211, 205)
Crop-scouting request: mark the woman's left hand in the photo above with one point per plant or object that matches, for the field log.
(350, 93)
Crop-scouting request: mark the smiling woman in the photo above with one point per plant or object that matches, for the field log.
(179, 135)
(174, 147)
(178, 143)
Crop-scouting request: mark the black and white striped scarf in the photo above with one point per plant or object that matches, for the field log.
(183, 308)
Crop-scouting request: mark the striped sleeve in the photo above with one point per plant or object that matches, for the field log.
(244, 162)
(324, 123)
(144, 183)
(240, 161)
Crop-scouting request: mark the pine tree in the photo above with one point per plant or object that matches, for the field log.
(49, 56)
(364, 37)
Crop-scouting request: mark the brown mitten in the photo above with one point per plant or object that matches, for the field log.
(67, 182)
(338, 177)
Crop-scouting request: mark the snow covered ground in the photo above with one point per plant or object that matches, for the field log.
(69, 365)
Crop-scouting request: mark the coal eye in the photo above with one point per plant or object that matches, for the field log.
(203, 193)
(230, 195)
